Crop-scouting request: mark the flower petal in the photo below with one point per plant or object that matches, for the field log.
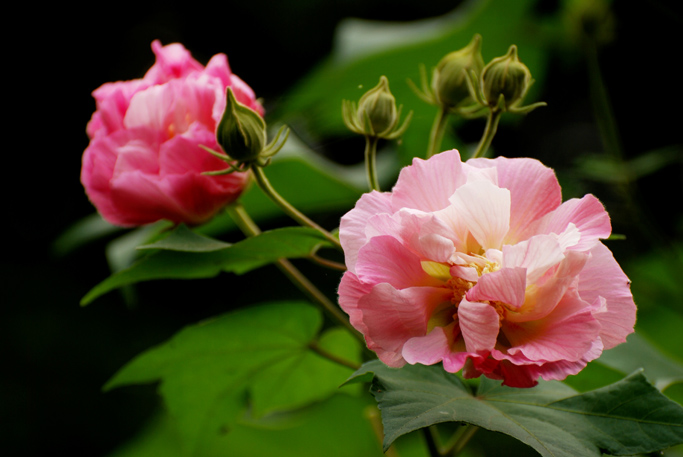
(587, 214)
(479, 324)
(393, 316)
(536, 255)
(485, 211)
(352, 227)
(427, 184)
(559, 336)
(534, 190)
(385, 259)
(507, 285)
(602, 278)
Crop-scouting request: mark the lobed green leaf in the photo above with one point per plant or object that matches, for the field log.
(627, 417)
(172, 262)
(259, 356)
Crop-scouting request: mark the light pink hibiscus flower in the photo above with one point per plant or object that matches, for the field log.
(480, 265)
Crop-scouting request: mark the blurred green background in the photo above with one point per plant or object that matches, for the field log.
(58, 355)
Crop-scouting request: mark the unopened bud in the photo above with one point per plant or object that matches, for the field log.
(379, 105)
(376, 114)
(449, 80)
(241, 131)
(506, 76)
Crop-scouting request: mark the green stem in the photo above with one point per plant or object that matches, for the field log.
(436, 135)
(315, 347)
(295, 214)
(327, 262)
(460, 440)
(371, 162)
(489, 132)
(249, 228)
(430, 439)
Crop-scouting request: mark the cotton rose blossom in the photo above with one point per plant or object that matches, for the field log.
(480, 266)
(144, 162)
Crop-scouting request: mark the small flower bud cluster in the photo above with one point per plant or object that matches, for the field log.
(461, 83)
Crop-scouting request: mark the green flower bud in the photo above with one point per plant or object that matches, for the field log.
(379, 106)
(241, 131)
(449, 80)
(506, 76)
(376, 115)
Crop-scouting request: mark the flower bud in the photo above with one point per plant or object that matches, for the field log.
(449, 80)
(378, 106)
(506, 76)
(241, 131)
(376, 115)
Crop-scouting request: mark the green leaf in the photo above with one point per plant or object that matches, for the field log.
(628, 417)
(290, 242)
(185, 240)
(337, 427)
(209, 370)
(639, 353)
(86, 230)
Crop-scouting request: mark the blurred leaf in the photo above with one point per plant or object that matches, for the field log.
(639, 353)
(627, 417)
(304, 433)
(607, 169)
(289, 242)
(185, 240)
(88, 229)
(208, 370)
(351, 70)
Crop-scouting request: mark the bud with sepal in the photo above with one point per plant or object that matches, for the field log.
(504, 83)
(241, 133)
(376, 114)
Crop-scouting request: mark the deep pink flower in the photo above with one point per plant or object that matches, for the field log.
(144, 162)
(480, 265)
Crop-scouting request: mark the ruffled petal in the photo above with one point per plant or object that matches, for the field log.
(352, 227)
(384, 259)
(536, 255)
(485, 211)
(507, 286)
(587, 214)
(393, 316)
(479, 324)
(559, 336)
(603, 284)
(534, 190)
(427, 184)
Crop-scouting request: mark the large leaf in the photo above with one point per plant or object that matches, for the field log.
(207, 371)
(337, 427)
(625, 418)
(173, 261)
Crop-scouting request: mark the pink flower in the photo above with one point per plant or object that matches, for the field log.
(480, 265)
(144, 162)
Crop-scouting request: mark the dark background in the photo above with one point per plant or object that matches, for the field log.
(58, 355)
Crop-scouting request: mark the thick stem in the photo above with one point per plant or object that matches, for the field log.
(430, 440)
(460, 440)
(371, 161)
(489, 132)
(268, 189)
(249, 228)
(436, 135)
(327, 263)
